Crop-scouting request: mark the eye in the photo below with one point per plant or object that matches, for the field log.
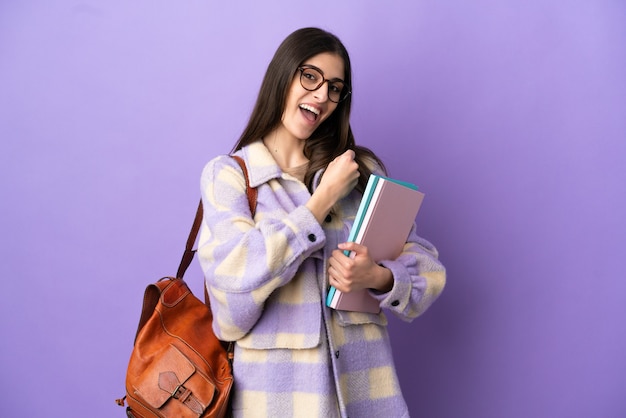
(336, 87)
(310, 75)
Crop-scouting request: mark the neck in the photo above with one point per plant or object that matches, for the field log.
(287, 150)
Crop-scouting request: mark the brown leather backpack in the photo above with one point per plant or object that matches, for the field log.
(178, 367)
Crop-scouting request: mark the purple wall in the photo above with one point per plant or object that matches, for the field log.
(510, 115)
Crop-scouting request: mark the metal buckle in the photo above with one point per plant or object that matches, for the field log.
(181, 393)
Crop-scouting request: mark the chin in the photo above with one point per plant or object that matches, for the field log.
(304, 135)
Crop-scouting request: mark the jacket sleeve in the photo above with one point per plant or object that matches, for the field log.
(244, 259)
(419, 279)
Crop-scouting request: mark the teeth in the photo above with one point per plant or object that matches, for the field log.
(310, 109)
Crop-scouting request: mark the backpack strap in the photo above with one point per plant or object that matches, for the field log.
(188, 255)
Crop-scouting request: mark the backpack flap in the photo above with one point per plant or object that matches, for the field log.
(173, 376)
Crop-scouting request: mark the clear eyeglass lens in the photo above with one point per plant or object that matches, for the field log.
(311, 80)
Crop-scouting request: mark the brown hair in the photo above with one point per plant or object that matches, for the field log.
(334, 135)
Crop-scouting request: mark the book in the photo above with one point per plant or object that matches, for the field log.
(382, 223)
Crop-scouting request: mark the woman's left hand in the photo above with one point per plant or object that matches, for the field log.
(348, 273)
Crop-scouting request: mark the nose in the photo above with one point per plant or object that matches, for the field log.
(321, 93)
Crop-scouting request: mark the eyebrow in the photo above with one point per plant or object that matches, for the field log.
(322, 72)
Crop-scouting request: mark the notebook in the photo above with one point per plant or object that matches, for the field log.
(382, 223)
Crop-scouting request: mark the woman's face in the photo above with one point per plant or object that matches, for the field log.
(306, 110)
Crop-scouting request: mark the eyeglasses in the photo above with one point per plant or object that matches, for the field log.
(312, 78)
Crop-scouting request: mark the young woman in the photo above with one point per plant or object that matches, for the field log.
(268, 275)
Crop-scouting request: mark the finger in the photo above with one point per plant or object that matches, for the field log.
(352, 246)
(338, 254)
(342, 262)
(336, 266)
(333, 277)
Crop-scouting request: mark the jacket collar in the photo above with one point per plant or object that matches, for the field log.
(260, 164)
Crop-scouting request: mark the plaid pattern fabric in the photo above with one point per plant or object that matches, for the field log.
(267, 282)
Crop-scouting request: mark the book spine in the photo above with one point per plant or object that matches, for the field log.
(329, 297)
(356, 226)
(365, 201)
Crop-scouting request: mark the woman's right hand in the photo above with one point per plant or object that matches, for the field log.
(339, 178)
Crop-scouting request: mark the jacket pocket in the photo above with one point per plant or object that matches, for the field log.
(347, 318)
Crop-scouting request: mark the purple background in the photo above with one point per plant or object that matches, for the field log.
(510, 115)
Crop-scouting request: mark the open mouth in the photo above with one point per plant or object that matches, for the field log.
(309, 112)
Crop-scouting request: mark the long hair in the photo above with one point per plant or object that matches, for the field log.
(334, 136)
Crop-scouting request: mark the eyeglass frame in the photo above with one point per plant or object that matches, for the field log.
(324, 80)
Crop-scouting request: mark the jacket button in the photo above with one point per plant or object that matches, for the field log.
(312, 237)
(395, 303)
(337, 354)
(328, 219)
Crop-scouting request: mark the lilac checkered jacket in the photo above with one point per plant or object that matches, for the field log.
(267, 282)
